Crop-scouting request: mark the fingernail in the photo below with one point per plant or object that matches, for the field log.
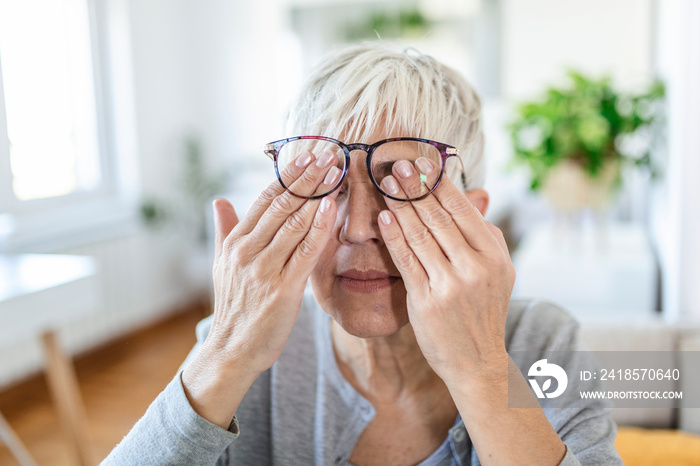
(390, 185)
(325, 205)
(424, 165)
(332, 176)
(303, 160)
(325, 160)
(404, 168)
(385, 217)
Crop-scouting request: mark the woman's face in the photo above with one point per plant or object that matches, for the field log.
(355, 280)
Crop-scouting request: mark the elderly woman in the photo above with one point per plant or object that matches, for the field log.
(398, 352)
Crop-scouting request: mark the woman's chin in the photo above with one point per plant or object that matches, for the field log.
(364, 311)
(366, 320)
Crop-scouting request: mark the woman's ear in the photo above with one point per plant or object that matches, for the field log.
(479, 198)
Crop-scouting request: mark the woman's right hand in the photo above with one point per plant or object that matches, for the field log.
(261, 266)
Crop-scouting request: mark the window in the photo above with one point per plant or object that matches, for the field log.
(52, 148)
(68, 148)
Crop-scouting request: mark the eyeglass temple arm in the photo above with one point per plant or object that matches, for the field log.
(454, 151)
(269, 150)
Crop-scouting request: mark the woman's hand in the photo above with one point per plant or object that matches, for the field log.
(457, 272)
(261, 266)
(459, 276)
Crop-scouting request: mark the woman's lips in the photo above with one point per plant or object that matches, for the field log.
(365, 282)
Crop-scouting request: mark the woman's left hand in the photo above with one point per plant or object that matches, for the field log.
(457, 272)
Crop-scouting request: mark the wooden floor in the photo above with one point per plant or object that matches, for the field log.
(118, 382)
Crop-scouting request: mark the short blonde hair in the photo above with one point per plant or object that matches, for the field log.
(356, 89)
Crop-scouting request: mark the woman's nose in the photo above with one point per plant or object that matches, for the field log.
(359, 212)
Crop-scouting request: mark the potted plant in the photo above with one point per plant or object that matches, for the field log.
(576, 140)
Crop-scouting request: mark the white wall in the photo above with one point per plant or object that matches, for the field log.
(213, 69)
(541, 38)
(162, 88)
(237, 67)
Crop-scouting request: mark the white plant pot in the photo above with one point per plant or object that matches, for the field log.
(568, 188)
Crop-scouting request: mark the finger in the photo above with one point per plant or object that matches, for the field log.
(465, 215)
(440, 223)
(417, 235)
(296, 228)
(225, 219)
(291, 172)
(306, 254)
(412, 184)
(283, 206)
(498, 234)
(410, 267)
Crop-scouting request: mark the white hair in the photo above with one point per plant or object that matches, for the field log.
(362, 88)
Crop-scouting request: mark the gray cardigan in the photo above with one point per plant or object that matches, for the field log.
(302, 411)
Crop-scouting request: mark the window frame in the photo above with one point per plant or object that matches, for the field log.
(110, 209)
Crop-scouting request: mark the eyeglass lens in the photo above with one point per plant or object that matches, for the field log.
(383, 159)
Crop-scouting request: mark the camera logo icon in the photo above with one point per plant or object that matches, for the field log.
(551, 371)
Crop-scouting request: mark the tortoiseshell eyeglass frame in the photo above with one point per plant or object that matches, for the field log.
(272, 149)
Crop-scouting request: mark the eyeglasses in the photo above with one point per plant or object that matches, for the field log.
(381, 157)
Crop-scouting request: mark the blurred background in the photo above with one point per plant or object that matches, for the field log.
(120, 122)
